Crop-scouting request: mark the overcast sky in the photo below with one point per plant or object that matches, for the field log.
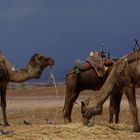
(67, 29)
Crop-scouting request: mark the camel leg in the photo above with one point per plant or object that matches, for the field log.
(3, 105)
(117, 111)
(111, 112)
(114, 107)
(130, 94)
(68, 106)
(73, 99)
(71, 93)
(111, 107)
(66, 111)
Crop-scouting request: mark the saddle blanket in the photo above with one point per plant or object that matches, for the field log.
(95, 61)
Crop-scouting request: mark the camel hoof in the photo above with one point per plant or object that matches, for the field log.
(26, 122)
(136, 129)
(66, 120)
(6, 124)
(90, 124)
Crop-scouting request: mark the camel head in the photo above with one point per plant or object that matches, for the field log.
(86, 116)
(89, 112)
(39, 62)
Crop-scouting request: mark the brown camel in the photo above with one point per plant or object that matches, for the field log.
(8, 73)
(88, 80)
(124, 75)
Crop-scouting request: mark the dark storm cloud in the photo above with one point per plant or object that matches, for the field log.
(67, 29)
(17, 9)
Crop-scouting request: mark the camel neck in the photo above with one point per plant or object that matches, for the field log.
(19, 75)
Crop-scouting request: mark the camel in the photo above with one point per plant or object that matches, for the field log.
(88, 80)
(8, 73)
(125, 76)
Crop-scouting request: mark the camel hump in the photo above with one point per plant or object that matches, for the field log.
(82, 65)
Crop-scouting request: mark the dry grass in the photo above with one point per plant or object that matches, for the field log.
(37, 109)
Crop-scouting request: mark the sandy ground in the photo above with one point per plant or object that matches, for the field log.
(40, 107)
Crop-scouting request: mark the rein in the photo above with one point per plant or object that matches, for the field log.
(57, 96)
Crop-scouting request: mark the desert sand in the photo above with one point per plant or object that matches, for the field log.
(36, 114)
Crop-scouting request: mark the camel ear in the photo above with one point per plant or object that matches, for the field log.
(83, 107)
(33, 57)
(40, 57)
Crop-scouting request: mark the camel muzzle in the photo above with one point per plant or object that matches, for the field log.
(89, 122)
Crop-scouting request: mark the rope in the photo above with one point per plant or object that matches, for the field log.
(54, 82)
(57, 96)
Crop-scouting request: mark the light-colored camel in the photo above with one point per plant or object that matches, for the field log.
(8, 73)
(124, 76)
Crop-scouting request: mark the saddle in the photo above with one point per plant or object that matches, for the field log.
(95, 60)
